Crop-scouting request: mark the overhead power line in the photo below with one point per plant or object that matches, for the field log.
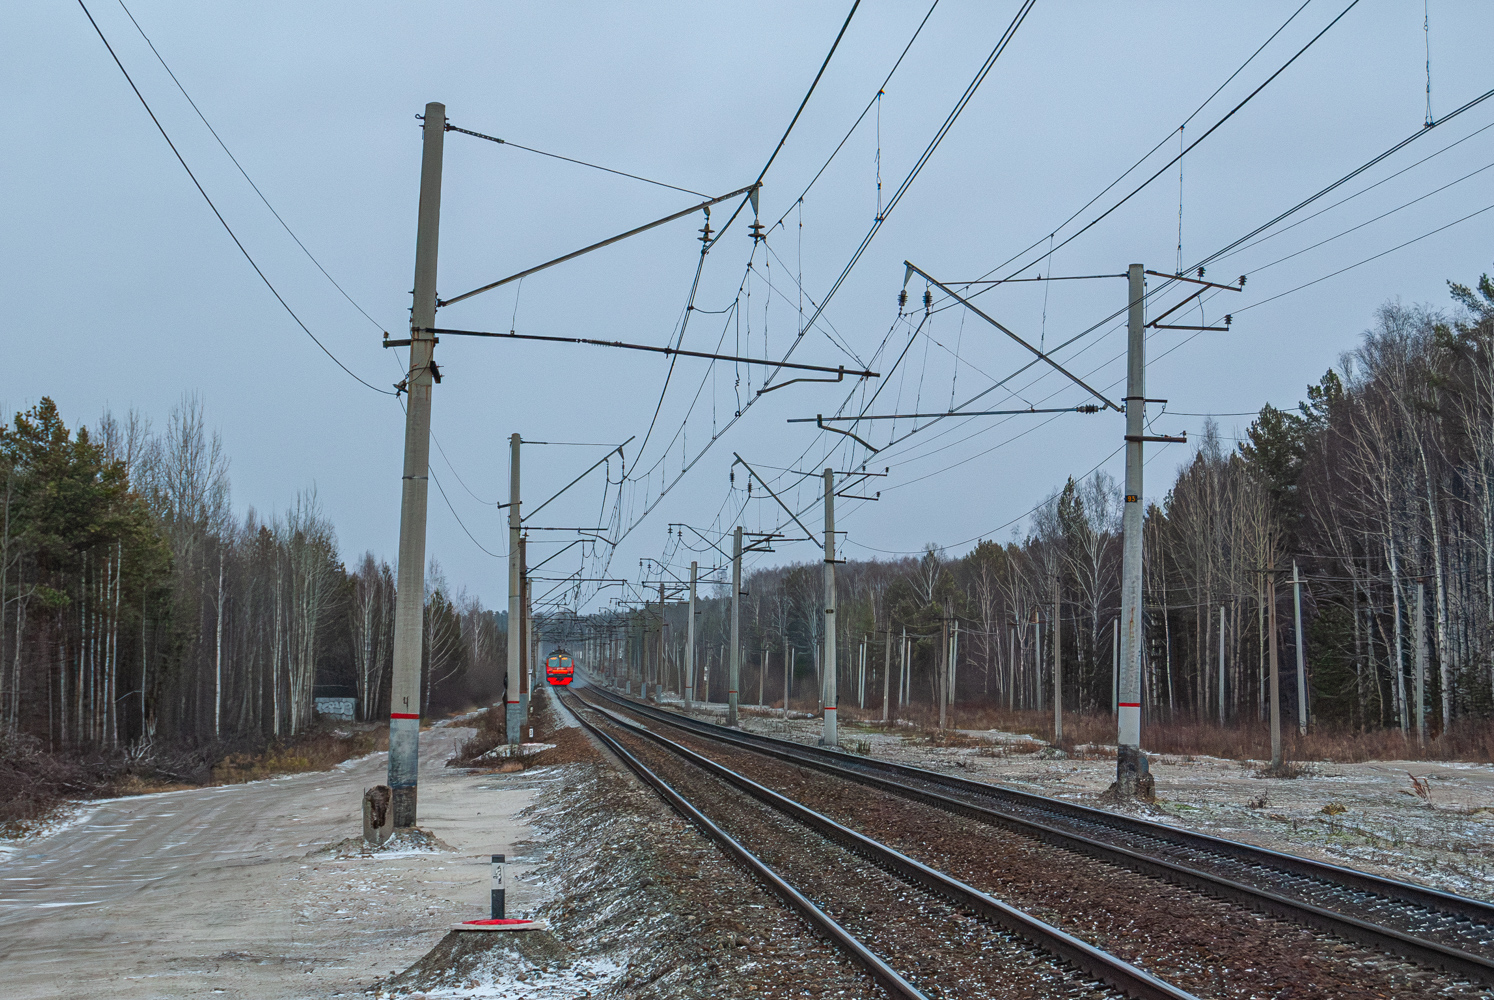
(219, 215)
(229, 153)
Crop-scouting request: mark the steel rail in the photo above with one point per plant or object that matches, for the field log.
(879, 970)
(1455, 960)
(1109, 969)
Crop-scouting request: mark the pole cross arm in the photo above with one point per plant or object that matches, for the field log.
(1039, 354)
(595, 246)
(573, 482)
(1159, 438)
(840, 370)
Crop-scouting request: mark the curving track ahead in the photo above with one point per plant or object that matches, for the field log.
(1428, 927)
(915, 928)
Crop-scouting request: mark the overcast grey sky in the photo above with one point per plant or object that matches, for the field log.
(128, 293)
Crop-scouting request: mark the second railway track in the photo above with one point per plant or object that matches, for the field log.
(1414, 923)
(918, 932)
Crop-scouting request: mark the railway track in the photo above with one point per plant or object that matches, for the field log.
(1430, 928)
(917, 931)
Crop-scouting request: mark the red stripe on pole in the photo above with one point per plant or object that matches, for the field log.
(1130, 704)
(829, 708)
(402, 715)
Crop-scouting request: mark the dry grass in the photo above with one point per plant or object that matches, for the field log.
(35, 782)
(315, 750)
(1471, 742)
(492, 730)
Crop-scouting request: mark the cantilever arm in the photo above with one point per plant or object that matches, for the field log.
(819, 422)
(1044, 357)
(753, 472)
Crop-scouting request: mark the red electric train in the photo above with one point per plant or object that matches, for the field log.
(559, 669)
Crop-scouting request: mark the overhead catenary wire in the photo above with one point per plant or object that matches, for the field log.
(219, 215)
(859, 118)
(794, 120)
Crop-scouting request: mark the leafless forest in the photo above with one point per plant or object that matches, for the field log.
(140, 609)
(1378, 487)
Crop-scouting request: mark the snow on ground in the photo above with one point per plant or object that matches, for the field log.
(249, 890)
(1367, 816)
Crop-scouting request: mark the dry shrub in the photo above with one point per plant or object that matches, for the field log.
(33, 782)
(314, 750)
(492, 730)
(1471, 741)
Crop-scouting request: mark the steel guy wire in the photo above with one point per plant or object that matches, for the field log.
(583, 163)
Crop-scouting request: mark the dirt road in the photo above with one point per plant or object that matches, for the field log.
(233, 891)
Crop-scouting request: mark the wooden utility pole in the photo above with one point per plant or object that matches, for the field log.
(409, 607)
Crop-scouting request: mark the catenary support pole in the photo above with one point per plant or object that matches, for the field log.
(515, 614)
(1275, 672)
(902, 675)
(1131, 769)
(942, 667)
(734, 671)
(526, 635)
(690, 640)
(659, 658)
(830, 738)
(1115, 660)
(861, 676)
(788, 658)
(409, 602)
(1301, 660)
(886, 673)
(954, 666)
